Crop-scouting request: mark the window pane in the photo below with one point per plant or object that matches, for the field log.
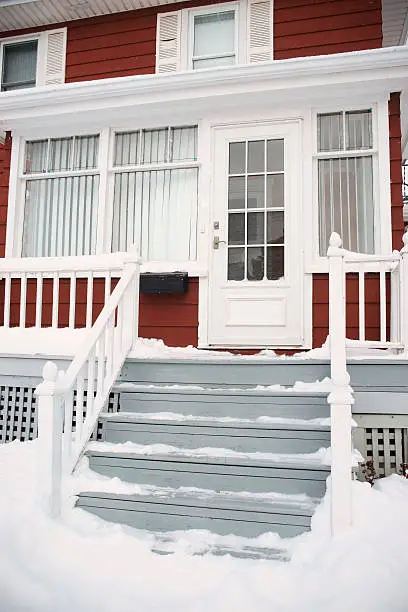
(275, 155)
(126, 145)
(86, 152)
(60, 155)
(256, 192)
(256, 156)
(184, 144)
(19, 65)
(236, 228)
(154, 146)
(275, 191)
(346, 203)
(256, 228)
(236, 265)
(236, 192)
(275, 262)
(157, 210)
(211, 62)
(36, 156)
(330, 132)
(359, 130)
(237, 158)
(255, 263)
(60, 216)
(275, 229)
(214, 33)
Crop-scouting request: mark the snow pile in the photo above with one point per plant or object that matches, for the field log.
(84, 565)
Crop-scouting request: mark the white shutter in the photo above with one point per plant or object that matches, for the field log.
(168, 42)
(260, 30)
(54, 46)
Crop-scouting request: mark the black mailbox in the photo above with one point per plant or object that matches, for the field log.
(173, 282)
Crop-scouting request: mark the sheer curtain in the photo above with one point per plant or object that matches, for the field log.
(61, 211)
(156, 208)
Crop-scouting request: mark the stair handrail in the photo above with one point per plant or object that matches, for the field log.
(340, 398)
(91, 375)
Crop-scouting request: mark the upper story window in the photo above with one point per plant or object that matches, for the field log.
(345, 153)
(218, 35)
(35, 60)
(214, 39)
(19, 65)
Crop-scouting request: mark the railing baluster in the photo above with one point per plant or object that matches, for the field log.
(23, 300)
(361, 303)
(7, 297)
(383, 305)
(90, 392)
(108, 281)
(67, 437)
(101, 362)
(72, 300)
(89, 300)
(39, 300)
(79, 407)
(55, 299)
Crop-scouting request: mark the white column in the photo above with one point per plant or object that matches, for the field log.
(50, 424)
(340, 399)
(131, 323)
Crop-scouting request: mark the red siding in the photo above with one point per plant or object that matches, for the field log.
(397, 219)
(318, 27)
(5, 154)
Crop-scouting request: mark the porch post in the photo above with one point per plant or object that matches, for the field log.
(131, 323)
(340, 398)
(50, 426)
(404, 293)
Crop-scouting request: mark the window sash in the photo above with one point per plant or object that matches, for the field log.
(19, 70)
(225, 50)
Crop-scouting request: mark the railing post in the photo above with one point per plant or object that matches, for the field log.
(50, 425)
(340, 398)
(404, 293)
(131, 323)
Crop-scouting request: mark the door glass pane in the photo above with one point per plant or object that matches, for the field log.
(214, 33)
(236, 192)
(256, 226)
(256, 156)
(236, 228)
(275, 228)
(237, 157)
(236, 264)
(275, 155)
(275, 262)
(256, 191)
(275, 192)
(255, 263)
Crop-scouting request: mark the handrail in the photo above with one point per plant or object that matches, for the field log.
(85, 387)
(80, 263)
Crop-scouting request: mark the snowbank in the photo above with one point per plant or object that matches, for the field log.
(84, 565)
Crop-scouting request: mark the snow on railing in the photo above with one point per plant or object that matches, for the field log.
(45, 291)
(91, 374)
(341, 263)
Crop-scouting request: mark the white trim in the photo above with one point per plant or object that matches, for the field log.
(13, 208)
(103, 164)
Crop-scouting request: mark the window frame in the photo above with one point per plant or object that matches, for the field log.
(4, 42)
(187, 30)
(381, 176)
(228, 7)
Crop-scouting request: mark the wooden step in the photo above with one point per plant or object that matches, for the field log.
(220, 473)
(179, 511)
(249, 436)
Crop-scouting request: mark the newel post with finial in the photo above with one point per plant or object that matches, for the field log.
(404, 292)
(50, 427)
(340, 398)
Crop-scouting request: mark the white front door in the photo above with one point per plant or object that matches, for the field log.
(256, 270)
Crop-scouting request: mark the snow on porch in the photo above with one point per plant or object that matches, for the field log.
(81, 563)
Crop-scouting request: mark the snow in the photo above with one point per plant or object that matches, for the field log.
(81, 563)
(46, 342)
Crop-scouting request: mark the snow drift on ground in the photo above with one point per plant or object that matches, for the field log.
(80, 564)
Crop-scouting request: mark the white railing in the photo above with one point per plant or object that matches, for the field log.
(87, 382)
(341, 263)
(44, 291)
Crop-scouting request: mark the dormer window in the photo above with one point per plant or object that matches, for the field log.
(19, 65)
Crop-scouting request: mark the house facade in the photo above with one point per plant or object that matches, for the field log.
(225, 140)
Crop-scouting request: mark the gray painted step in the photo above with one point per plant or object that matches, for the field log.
(163, 546)
(214, 473)
(246, 518)
(224, 402)
(242, 437)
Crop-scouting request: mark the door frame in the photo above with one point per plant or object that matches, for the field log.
(209, 134)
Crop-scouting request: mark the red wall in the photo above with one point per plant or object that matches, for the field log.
(5, 154)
